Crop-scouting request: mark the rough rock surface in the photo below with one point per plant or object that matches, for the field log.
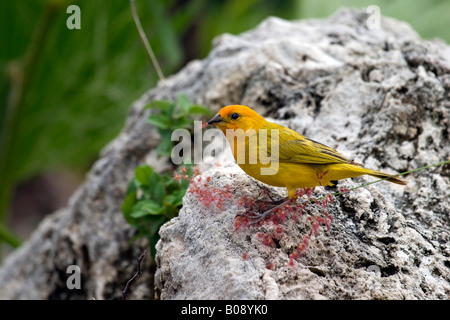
(381, 97)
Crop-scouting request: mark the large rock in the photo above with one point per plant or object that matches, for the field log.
(380, 96)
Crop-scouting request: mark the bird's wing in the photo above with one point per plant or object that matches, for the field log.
(293, 147)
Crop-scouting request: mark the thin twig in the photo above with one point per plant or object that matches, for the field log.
(144, 39)
(399, 174)
(148, 48)
(137, 274)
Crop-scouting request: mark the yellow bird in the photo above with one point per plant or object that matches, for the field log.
(295, 161)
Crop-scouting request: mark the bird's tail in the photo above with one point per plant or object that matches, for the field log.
(388, 177)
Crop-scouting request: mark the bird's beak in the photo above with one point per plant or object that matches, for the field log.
(216, 119)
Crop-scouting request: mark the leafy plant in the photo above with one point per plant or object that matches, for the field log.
(151, 200)
(172, 116)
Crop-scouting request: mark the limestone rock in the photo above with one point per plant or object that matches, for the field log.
(378, 96)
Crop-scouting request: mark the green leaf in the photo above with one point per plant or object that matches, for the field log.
(153, 235)
(183, 122)
(179, 196)
(139, 214)
(169, 112)
(162, 105)
(169, 199)
(127, 207)
(160, 121)
(155, 223)
(159, 192)
(132, 186)
(175, 199)
(171, 185)
(199, 109)
(184, 103)
(165, 147)
(184, 185)
(152, 241)
(143, 174)
(146, 207)
(146, 194)
(155, 178)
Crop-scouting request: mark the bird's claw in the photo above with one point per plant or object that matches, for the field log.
(260, 217)
(256, 217)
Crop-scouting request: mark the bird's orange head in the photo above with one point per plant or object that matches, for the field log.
(237, 117)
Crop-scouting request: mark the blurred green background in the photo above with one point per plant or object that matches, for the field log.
(65, 93)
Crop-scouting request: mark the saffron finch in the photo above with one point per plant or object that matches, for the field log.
(296, 161)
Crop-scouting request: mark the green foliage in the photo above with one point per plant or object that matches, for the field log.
(151, 200)
(71, 88)
(82, 84)
(172, 116)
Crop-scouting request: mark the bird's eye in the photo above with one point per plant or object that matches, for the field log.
(234, 116)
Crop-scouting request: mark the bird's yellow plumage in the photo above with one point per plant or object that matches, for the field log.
(301, 162)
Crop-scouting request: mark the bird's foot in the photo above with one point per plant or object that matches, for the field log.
(275, 206)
